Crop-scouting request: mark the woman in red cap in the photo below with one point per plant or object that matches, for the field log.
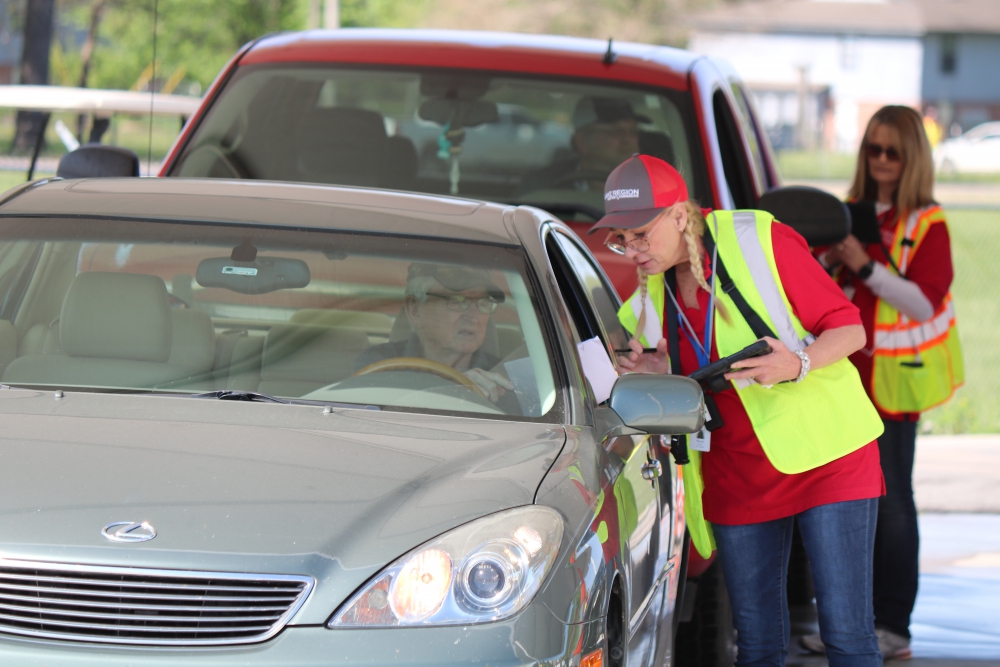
(793, 432)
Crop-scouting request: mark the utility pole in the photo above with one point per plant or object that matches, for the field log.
(331, 17)
(34, 67)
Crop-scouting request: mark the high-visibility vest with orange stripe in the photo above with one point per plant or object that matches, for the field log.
(915, 365)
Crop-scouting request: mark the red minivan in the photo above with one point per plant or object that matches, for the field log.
(520, 119)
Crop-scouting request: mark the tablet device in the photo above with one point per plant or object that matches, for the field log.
(712, 375)
(864, 222)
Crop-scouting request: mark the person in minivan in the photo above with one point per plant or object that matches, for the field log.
(606, 134)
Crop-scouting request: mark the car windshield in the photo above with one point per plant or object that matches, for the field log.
(375, 320)
(521, 140)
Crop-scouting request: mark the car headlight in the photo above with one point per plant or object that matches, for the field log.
(483, 571)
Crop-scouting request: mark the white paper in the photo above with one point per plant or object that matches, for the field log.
(653, 329)
(597, 367)
(702, 440)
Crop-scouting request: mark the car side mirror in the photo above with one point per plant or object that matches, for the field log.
(658, 404)
(818, 216)
(98, 161)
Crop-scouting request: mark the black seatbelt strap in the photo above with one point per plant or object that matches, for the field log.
(678, 443)
(757, 324)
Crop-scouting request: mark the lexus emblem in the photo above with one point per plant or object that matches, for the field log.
(126, 531)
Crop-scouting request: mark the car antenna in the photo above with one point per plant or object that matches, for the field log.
(609, 56)
(152, 84)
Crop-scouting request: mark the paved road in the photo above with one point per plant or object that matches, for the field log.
(956, 622)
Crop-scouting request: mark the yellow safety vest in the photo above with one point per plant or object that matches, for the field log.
(800, 426)
(915, 365)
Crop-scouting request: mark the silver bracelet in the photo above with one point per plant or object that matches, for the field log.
(804, 358)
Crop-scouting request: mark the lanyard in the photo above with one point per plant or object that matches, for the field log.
(701, 350)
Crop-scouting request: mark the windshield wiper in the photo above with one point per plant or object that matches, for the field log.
(237, 395)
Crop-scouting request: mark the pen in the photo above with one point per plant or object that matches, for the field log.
(645, 350)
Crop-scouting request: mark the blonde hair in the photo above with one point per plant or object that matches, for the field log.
(916, 183)
(694, 230)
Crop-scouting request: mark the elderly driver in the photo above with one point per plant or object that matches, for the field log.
(448, 308)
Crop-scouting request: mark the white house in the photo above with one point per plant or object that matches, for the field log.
(821, 68)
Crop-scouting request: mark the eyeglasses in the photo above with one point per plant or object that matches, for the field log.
(459, 304)
(618, 245)
(875, 152)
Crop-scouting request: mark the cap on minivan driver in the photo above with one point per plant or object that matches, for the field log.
(638, 190)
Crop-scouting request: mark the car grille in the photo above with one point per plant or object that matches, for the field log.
(142, 606)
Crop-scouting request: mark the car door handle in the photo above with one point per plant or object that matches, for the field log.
(651, 470)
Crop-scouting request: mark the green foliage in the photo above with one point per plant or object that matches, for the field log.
(975, 243)
(381, 13)
(199, 36)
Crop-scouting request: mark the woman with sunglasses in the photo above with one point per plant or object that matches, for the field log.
(911, 360)
(793, 433)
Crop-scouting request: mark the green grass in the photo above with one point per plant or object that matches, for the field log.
(130, 132)
(823, 165)
(975, 244)
(798, 165)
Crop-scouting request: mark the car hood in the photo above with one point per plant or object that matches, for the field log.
(251, 487)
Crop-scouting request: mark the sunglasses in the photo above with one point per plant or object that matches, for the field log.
(875, 151)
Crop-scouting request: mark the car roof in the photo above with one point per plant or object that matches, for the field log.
(485, 51)
(293, 205)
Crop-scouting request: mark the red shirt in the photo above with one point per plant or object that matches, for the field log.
(930, 268)
(741, 485)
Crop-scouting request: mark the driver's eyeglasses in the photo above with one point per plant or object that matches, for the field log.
(618, 245)
(459, 303)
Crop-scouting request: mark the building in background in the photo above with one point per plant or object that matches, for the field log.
(820, 68)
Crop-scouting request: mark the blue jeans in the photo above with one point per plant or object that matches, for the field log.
(839, 539)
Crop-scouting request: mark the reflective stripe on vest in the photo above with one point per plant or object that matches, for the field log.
(915, 365)
(800, 426)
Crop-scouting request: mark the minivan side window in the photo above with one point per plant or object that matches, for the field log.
(734, 159)
(750, 130)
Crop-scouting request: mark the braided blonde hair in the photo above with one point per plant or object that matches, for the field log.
(694, 230)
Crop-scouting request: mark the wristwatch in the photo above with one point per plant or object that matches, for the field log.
(865, 272)
(804, 358)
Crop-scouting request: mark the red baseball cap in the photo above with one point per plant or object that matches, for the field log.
(638, 190)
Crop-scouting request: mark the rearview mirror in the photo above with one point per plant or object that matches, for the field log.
(97, 161)
(659, 404)
(460, 113)
(818, 216)
(260, 276)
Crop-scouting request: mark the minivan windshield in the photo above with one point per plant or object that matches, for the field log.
(373, 320)
(502, 138)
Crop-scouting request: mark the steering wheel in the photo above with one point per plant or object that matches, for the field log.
(423, 366)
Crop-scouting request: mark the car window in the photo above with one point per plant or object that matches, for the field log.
(502, 138)
(602, 294)
(734, 160)
(750, 131)
(397, 323)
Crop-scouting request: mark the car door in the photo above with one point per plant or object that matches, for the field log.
(645, 507)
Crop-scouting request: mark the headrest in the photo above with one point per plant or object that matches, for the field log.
(342, 145)
(116, 316)
(193, 343)
(344, 125)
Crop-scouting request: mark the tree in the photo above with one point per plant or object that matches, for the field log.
(38, 23)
